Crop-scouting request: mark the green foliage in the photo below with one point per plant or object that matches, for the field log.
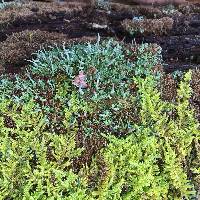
(177, 75)
(169, 10)
(104, 58)
(4, 5)
(176, 132)
(102, 4)
(49, 81)
(151, 162)
(45, 121)
(36, 164)
(147, 57)
(100, 63)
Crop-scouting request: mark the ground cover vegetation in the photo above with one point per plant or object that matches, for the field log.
(87, 117)
(88, 121)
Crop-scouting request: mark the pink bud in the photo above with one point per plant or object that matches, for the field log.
(79, 80)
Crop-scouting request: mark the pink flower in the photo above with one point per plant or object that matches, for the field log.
(79, 80)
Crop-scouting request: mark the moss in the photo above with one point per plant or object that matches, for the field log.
(189, 8)
(148, 26)
(150, 12)
(38, 11)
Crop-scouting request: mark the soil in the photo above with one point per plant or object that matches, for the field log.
(181, 45)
